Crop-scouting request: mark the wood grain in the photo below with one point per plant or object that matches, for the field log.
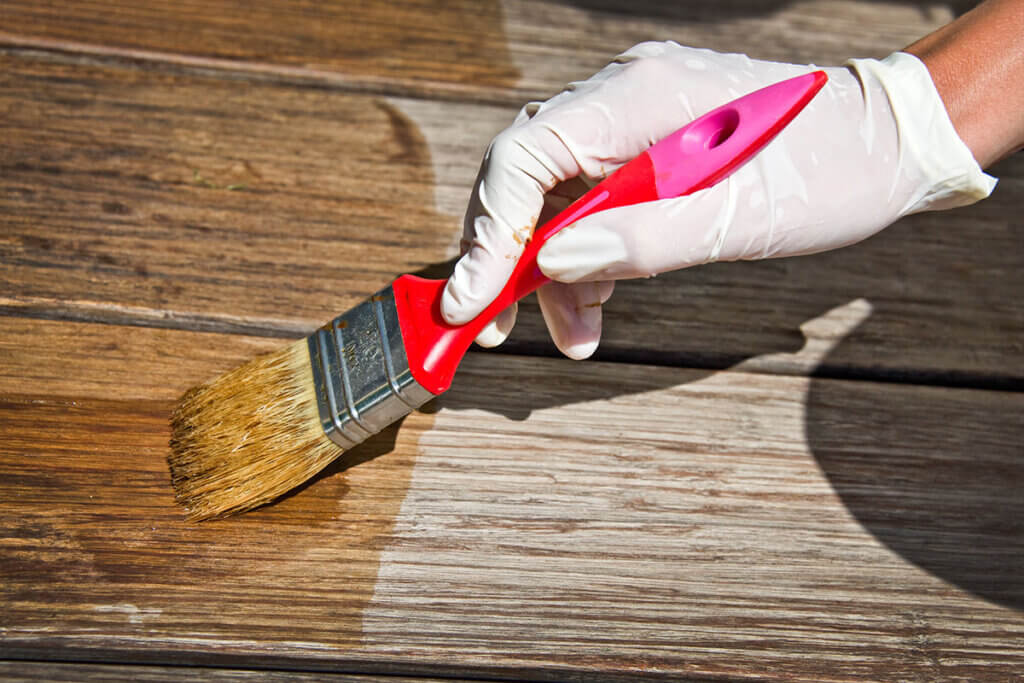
(267, 209)
(93, 537)
(545, 520)
(184, 185)
(52, 672)
(372, 42)
(127, 363)
(303, 191)
(500, 51)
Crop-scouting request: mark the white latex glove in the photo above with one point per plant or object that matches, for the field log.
(874, 145)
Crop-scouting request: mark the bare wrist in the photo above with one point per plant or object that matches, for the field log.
(977, 65)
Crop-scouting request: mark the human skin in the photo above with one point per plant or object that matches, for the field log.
(977, 65)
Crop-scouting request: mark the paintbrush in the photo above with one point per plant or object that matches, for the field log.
(253, 434)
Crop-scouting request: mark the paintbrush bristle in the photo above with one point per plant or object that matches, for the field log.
(248, 436)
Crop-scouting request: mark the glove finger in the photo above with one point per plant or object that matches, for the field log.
(497, 330)
(549, 144)
(480, 274)
(572, 314)
(517, 171)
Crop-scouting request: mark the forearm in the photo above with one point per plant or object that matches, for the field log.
(977, 65)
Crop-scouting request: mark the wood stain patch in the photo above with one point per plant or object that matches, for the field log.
(96, 547)
(92, 542)
(89, 524)
(380, 41)
(292, 207)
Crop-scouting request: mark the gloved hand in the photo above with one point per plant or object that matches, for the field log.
(874, 145)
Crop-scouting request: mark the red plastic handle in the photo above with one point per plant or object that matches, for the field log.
(696, 156)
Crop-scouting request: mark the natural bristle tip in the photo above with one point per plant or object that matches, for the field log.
(248, 436)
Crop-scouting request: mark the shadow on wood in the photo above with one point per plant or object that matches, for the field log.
(377, 445)
(928, 472)
(922, 472)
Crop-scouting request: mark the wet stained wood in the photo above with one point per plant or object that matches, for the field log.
(544, 520)
(267, 209)
(53, 672)
(119, 385)
(507, 50)
(373, 42)
(126, 363)
(138, 180)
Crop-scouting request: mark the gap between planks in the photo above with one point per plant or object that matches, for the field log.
(795, 364)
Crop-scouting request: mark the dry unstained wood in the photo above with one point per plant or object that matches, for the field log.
(545, 519)
(507, 50)
(182, 201)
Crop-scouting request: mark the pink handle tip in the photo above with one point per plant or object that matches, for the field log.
(711, 147)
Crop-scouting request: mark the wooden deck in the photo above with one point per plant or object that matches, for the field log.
(798, 470)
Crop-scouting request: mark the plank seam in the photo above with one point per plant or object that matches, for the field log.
(131, 316)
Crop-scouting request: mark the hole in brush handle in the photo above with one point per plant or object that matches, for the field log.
(710, 132)
(712, 146)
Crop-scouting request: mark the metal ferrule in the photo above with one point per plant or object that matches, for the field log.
(361, 373)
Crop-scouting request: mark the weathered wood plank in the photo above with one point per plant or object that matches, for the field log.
(109, 361)
(271, 207)
(546, 520)
(437, 44)
(54, 672)
(555, 42)
(498, 50)
(116, 207)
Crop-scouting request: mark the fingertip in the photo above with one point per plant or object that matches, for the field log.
(555, 257)
(497, 331)
(580, 351)
(481, 272)
(456, 309)
(572, 314)
(490, 337)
